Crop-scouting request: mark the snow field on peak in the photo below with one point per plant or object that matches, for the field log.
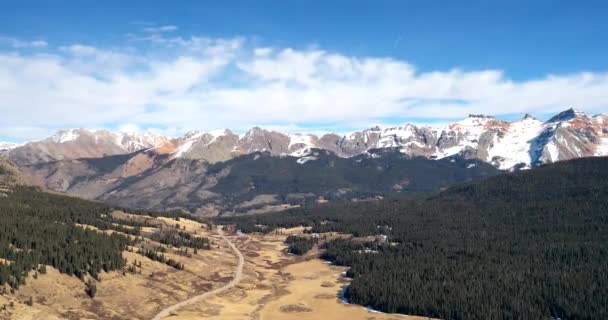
(64, 136)
(393, 137)
(514, 147)
(302, 144)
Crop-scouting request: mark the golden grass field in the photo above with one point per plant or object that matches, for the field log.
(274, 286)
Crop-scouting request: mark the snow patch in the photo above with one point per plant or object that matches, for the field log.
(137, 141)
(553, 152)
(301, 144)
(602, 148)
(303, 160)
(63, 136)
(6, 146)
(216, 134)
(448, 152)
(187, 145)
(467, 132)
(305, 139)
(395, 137)
(301, 153)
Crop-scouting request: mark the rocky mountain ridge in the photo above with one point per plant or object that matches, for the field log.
(523, 143)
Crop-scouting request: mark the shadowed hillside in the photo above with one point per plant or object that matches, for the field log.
(252, 183)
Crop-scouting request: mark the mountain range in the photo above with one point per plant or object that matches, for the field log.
(524, 143)
(220, 172)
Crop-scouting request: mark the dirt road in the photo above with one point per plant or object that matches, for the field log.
(237, 278)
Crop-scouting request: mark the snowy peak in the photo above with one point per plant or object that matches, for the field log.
(4, 146)
(301, 144)
(511, 147)
(526, 142)
(479, 116)
(255, 132)
(133, 142)
(476, 120)
(130, 142)
(67, 135)
(212, 146)
(71, 144)
(470, 137)
(411, 139)
(214, 134)
(568, 115)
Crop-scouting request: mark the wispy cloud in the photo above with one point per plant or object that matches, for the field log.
(19, 43)
(205, 83)
(160, 29)
(397, 42)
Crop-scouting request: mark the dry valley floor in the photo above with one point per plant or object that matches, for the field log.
(274, 285)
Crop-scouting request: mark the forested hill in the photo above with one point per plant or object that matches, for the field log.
(525, 245)
(576, 179)
(38, 229)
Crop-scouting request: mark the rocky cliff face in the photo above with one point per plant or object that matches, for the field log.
(524, 143)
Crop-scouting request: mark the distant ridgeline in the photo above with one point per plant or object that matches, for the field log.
(524, 245)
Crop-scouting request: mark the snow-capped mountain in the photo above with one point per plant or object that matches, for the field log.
(523, 143)
(526, 142)
(83, 143)
(5, 146)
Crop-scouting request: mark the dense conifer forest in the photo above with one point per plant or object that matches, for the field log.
(39, 229)
(524, 245)
(299, 245)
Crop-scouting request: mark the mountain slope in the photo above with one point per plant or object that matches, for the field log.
(250, 183)
(9, 176)
(332, 177)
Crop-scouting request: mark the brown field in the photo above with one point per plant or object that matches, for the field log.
(274, 286)
(280, 286)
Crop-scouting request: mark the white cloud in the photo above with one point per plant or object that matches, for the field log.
(18, 43)
(179, 84)
(129, 128)
(159, 29)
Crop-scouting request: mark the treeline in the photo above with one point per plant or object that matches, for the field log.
(39, 228)
(159, 256)
(300, 245)
(174, 214)
(176, 238)
(525, 245)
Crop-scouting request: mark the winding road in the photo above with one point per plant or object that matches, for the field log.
(237, 278)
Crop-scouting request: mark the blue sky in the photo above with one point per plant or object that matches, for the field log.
(294, 65)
